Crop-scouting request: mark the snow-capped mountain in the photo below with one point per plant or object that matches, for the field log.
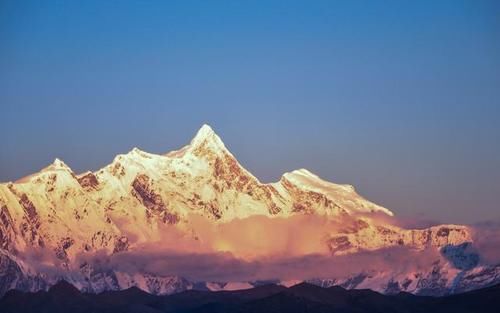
(131, 201)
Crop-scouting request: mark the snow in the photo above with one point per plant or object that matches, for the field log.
(237, 286)
(344, 194)
(215, 286)
(290, 283)
(206, 135)
(186, 181)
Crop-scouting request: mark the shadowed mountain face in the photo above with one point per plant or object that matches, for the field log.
(63, 297)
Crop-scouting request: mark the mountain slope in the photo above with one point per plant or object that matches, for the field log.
(49, 219)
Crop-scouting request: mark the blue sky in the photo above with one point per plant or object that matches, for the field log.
(399, 98)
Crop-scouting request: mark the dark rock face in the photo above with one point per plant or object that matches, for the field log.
(151, 200)
(339, 243)
(354, 281)
(118, 170)
(88, 181)
(121, 244)
(31, 221)
(231, 175)
(6, 230)
(143, 191)
(433, 284)
(51, 183)
(392, 288)
(64, 244)
(29, 208)
(443, 232)
(308, 201)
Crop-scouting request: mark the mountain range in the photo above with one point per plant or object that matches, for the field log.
(147, 220)
(303, 297)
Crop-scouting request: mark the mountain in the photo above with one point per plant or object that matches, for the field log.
(56, 224)
(63, 297)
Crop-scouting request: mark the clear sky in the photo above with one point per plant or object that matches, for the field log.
(399, 98)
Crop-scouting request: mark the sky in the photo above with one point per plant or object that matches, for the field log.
(399, 98)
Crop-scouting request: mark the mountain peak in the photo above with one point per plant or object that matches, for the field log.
(58, 164)
(207, 136)
(205, 132)
(304, 172)
(205, 129)
(300, 174)
(136, 152)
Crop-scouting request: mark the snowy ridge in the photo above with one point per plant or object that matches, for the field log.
(129, 201)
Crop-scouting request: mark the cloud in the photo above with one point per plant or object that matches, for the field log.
(487, 241)
(256, 237)
(255, 248)
(261, 248)
(224, 266)
(41, 260)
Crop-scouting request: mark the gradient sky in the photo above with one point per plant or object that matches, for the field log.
(399, 98)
